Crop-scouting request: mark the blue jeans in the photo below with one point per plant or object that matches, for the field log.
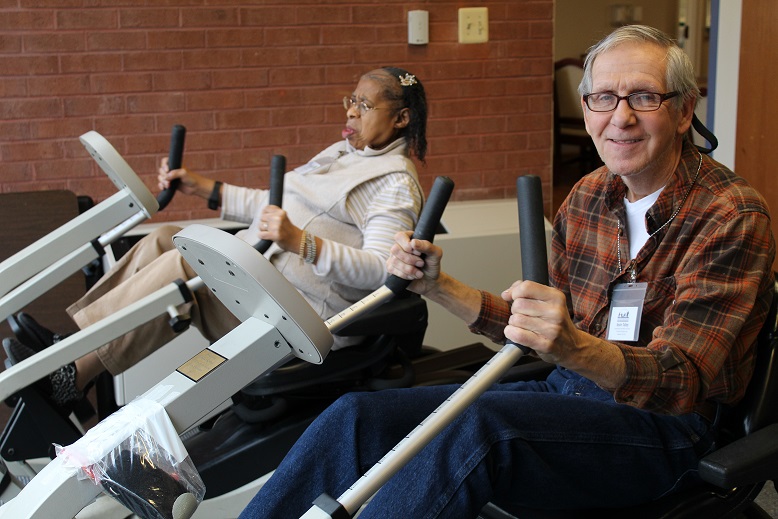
(562, 443)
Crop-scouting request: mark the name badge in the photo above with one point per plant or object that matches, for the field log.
(315, 165)
(626, 311)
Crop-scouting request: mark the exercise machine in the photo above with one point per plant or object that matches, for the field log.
(273, 313)
(535, 268)
(34, 270)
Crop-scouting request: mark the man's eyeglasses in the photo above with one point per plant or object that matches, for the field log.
(638, 101)
(362, 107)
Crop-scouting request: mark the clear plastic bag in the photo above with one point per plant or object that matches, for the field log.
(139, 460)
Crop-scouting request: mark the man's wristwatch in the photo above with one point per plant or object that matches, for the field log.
(215, 200)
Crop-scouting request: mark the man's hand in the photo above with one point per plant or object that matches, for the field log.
(416, 260)
(540, 321)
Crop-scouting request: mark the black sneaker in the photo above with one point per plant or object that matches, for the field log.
(31, 333)
(60, 386)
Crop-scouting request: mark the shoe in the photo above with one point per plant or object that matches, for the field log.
(30, 333)
(60, 386)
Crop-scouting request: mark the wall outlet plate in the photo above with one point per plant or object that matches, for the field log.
(473, 24)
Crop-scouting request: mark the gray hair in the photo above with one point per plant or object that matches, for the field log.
(679, 73)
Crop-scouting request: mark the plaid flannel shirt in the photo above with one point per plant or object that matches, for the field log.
(709, 276)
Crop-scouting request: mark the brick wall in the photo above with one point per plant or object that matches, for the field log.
(254, 79)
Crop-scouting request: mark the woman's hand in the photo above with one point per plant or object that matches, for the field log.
(274, 225)
(191, 183)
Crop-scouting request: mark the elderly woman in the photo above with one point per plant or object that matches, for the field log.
(331, 239)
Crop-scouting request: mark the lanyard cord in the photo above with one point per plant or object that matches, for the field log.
(633, 274)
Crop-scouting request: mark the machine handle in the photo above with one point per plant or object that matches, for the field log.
(277, 170)
(532, 233)
(428, 223)
(177, 136)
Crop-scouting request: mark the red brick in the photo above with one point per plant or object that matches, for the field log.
(332, 54)
(177, 39)
(199, 59)
(268, 57)
(115, 40)
(542, 30)
(178, 80)
(87, 19)
(238, 119)
(480, 161)
(54, 42)
(269, 137)
(125, 124)
(325, 15)
(211, 100)
(216, 141)
(296, 76)
(529, 11)
(167, 60)
(239, 78)
(104, 62)
(61, 85)
(234, 37)
(297, 36)
(31, 150)
(15, 174)
(28, 65)
(71, 169)
(274, 97)
(249, 80)
(248, 158)
(149, 18)
(13, 87)
(117, 83)
(65, 128)
(359, 34)
(32, 20)
(156, 103)
(295, 116)
(194, 121)
(10, 43)
(27, 109)
(271, 16)
(93, 106)
(209, 17)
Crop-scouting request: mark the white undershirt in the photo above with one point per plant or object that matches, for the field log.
(636, 221)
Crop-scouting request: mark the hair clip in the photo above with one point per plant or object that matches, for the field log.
(407, 80)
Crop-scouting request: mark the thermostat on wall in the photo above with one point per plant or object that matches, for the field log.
(418, 27)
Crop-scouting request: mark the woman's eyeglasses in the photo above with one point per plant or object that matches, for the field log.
(361, 106)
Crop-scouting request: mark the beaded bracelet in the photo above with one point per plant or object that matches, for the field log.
(303, 240)
(310, 242)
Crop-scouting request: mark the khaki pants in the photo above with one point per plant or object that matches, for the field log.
(153, 263)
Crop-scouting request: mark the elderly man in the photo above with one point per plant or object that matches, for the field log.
(661, 275)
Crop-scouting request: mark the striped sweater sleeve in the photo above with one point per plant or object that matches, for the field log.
(380, 207)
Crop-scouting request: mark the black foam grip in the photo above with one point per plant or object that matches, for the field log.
(532, 229)
(177, 136)
(428, 223)
(532, 232)
(276, 195)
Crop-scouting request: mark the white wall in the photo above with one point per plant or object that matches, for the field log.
(482, 249)
(725, 83)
